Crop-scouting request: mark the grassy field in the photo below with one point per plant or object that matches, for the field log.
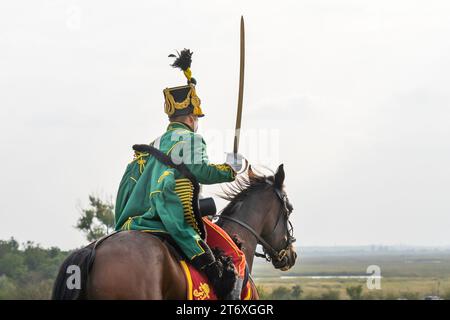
(408, 275)
(28, 272)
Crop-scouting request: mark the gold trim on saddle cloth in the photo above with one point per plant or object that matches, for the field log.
(202, 292)
(187, 274)
(249, 292)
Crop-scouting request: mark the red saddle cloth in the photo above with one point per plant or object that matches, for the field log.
(198, 286)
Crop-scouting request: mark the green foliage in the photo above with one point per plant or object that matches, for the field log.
(354, 292)
(410, 295)
(7, 288)
(281, 293)
(98, 220)
(323, 295)
(263, 295)
(12, 265)
(374, 295)
(8, 246)
(27, 273)
(297, 292)
(446, 294)
(330, 295)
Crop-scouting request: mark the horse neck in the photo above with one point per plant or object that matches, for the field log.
(250, 212)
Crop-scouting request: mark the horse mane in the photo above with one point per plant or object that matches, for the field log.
(235, 192)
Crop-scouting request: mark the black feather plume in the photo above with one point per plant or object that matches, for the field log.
(183, 61)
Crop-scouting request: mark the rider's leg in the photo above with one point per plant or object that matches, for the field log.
(219, 270)
(218, 238)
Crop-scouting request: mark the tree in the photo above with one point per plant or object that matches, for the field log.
(262, 293)
(297, 291)
(7, 288)
(8, 246)
(27, 271)
(354, 292)
(280, 293)
(12, 265)
(98, 220)
(35, 256)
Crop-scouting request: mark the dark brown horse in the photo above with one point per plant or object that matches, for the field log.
(137, 265)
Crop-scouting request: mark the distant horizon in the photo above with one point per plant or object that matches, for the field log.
(320, 247)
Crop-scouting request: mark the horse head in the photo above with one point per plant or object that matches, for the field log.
(260, 205)
(278, 230)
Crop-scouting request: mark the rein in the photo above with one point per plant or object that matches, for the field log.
(269, 252)
(269, 249)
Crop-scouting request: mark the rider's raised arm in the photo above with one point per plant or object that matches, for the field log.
(198, 163)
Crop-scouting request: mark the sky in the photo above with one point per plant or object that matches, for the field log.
(352, 96)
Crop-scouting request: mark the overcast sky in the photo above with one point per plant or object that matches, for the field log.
(352, 95)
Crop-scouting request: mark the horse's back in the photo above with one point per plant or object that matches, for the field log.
(135, 265)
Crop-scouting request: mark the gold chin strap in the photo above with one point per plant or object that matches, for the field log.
(170, 105)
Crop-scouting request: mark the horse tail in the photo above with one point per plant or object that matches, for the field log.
(71, 282)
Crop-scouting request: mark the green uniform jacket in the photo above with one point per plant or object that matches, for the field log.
(153, 197)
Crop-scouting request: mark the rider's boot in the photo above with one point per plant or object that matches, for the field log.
(219, 270)
(235, 293)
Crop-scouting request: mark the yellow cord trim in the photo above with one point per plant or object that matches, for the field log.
(133, 179)
(185, 191)
(139, 157)
(170, 150)
(182, 180)
(156, 191)
(185, 188)
(164, 174)
(201, 248)
(184, 183)
(127, 224)
(170, 105)
(221, 167)
(181, 130)
(162, 231)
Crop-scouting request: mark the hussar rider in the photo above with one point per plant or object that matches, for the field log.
(156, 197)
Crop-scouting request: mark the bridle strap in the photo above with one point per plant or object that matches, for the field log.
(270, 250)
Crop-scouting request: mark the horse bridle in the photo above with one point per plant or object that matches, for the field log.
(269, 253)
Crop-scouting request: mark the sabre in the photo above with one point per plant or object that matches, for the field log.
(241, 89)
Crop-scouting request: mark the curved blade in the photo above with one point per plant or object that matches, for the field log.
(241, 89)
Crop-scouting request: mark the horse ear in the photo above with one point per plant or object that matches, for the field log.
(279, 177)
(251, 174)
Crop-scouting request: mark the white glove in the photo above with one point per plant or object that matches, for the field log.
(234, 160)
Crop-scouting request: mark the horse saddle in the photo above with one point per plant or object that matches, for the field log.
(198, 286)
